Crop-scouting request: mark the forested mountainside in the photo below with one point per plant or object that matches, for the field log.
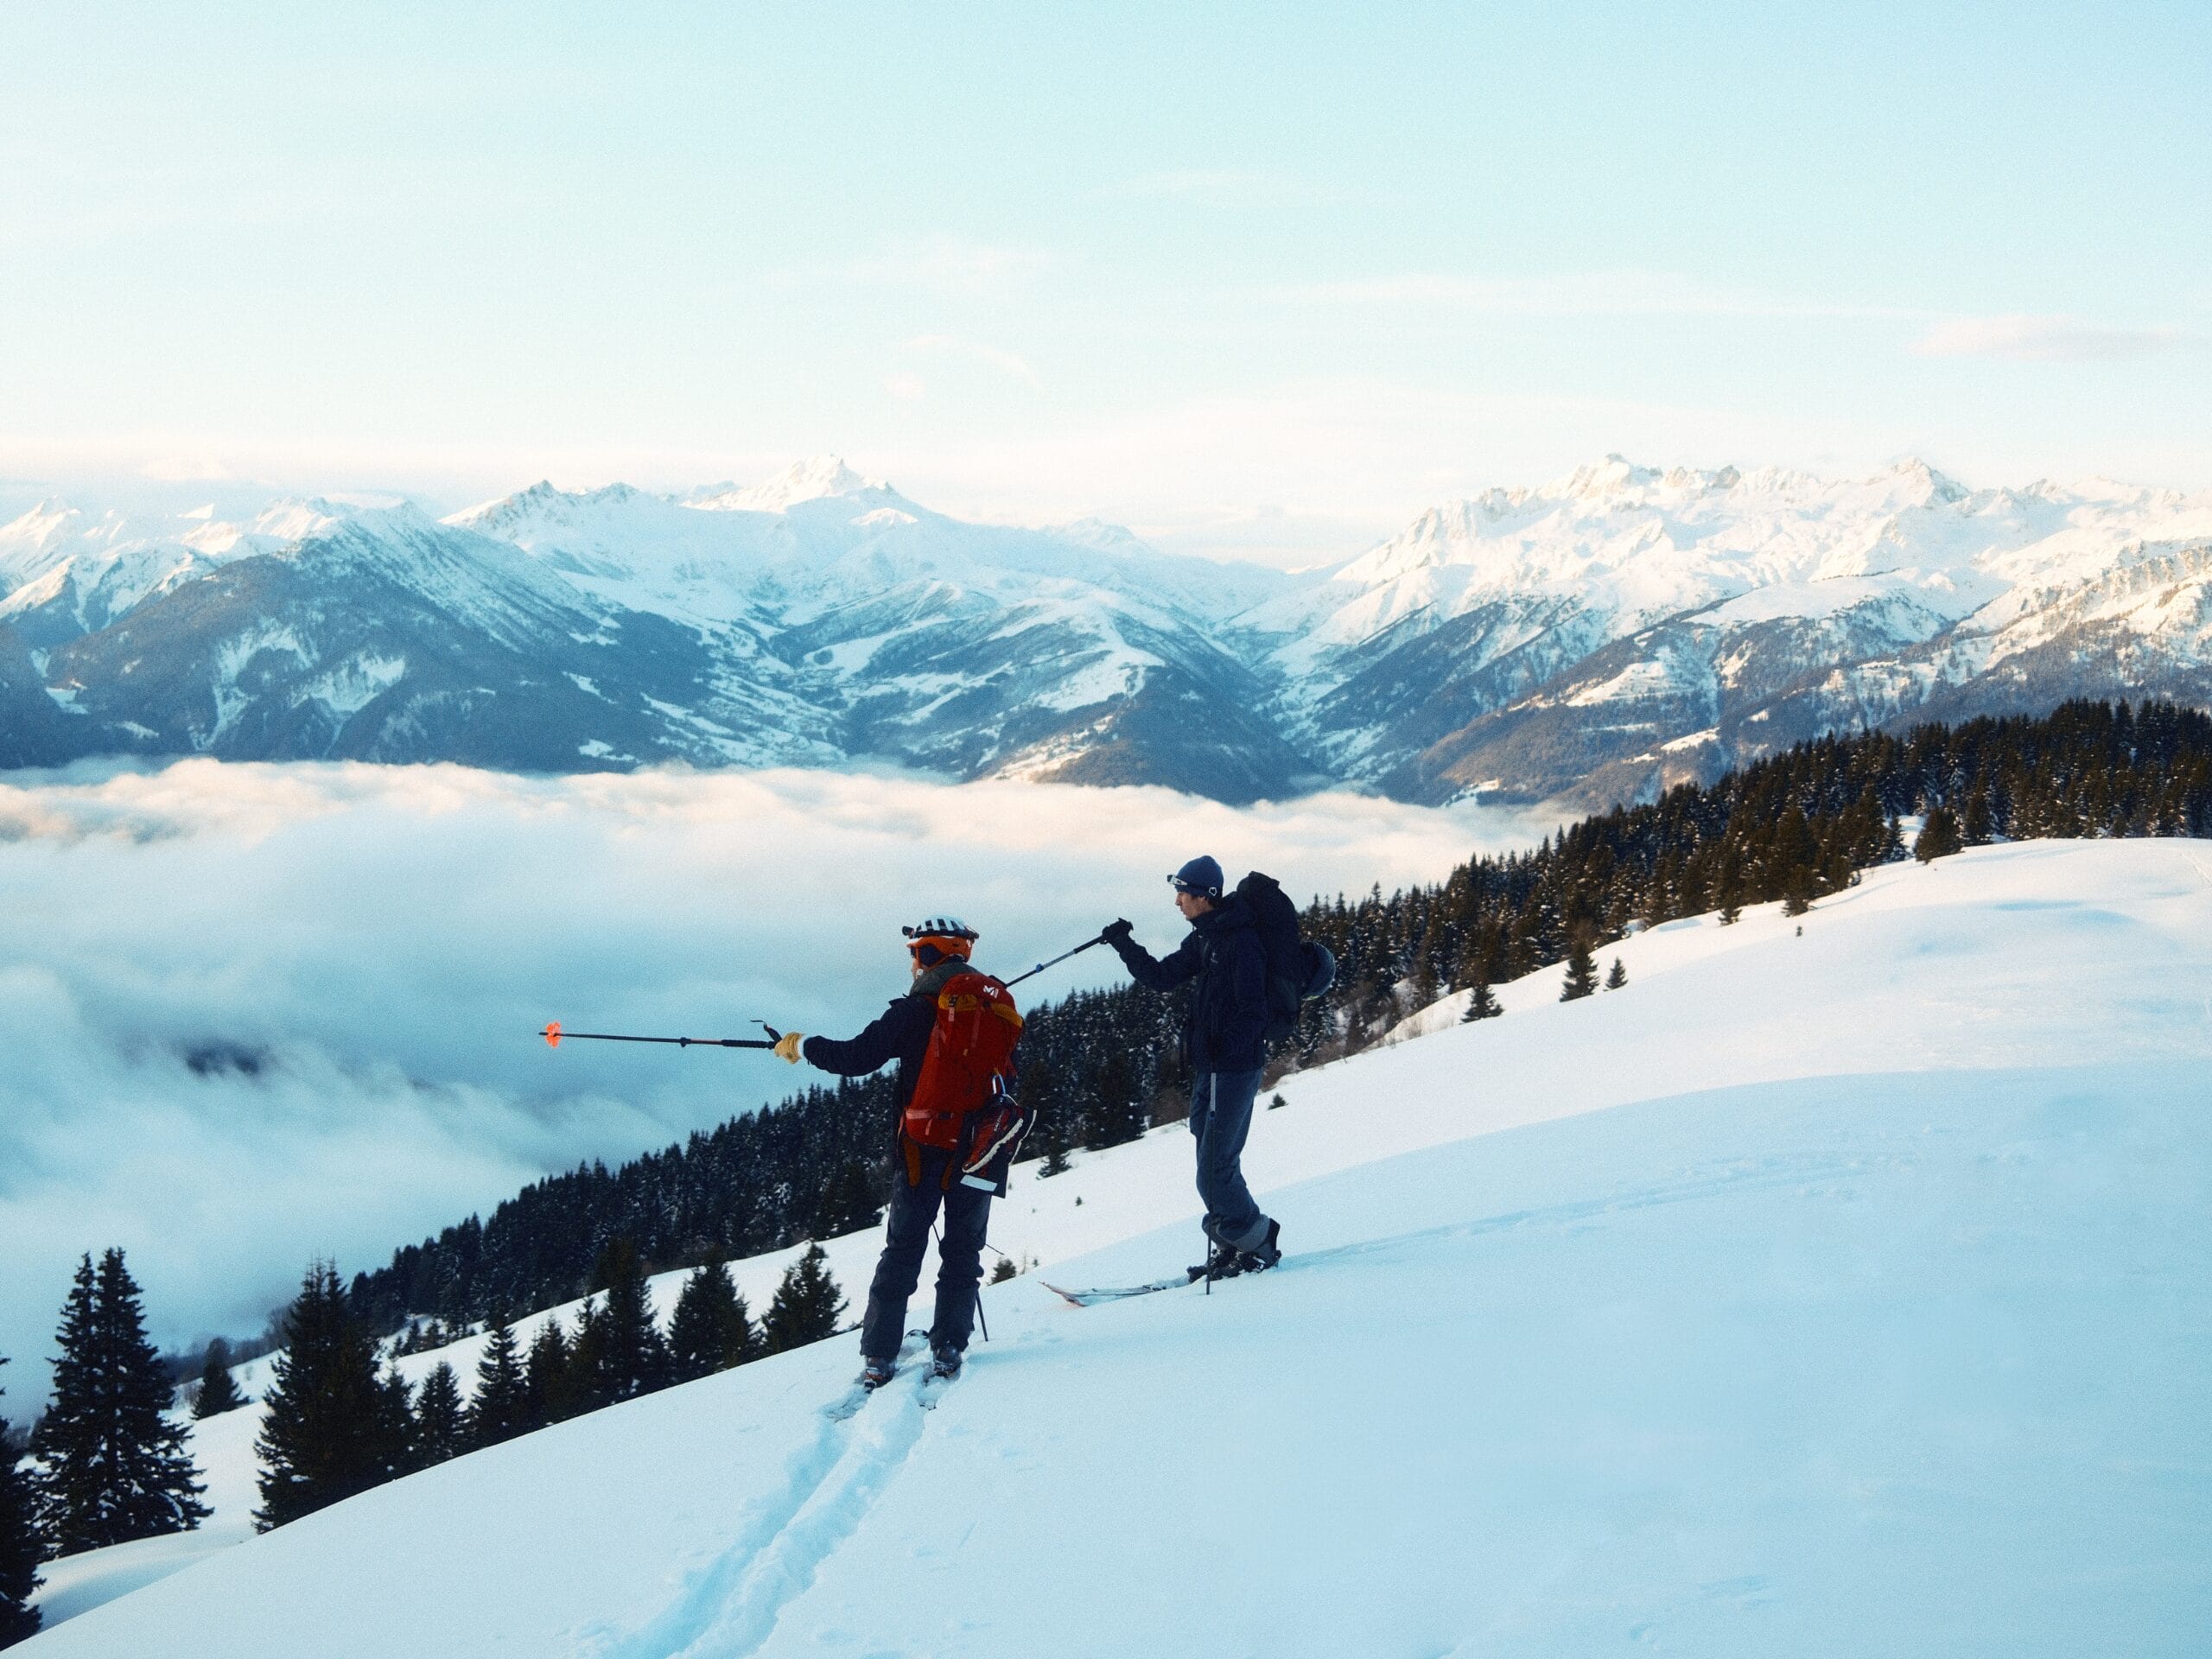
(1102, 1064)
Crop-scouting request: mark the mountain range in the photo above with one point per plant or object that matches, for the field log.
(1589, 641)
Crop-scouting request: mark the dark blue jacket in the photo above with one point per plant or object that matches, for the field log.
(1227, 1029)
(900, 1032)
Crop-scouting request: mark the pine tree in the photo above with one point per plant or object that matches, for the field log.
(441, 1431)
(22, 1546)
(1728, 887)
(1038, 1090)
(1939, 837)
(1113, 1116)
(625, 1356)
(1619, 976)
(710, 1329)
(1979, 826)
(1056, 1150)
(1581, 971)
(1796, 890)
(115, 1465)
(548, 1394)
(501, 1407)
(1482, 1002)
(849, 1202)
(219, 1389)
(396, 1450)
(806, 1306)
(586, 1372)
(325, 1432)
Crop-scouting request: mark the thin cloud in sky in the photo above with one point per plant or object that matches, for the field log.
(1604, 293)
(939, 263)
(187, 469)
(1363, 453)
(952, 345)
(1201, 181)
(2022, 338)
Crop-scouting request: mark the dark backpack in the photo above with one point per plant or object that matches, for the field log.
(1297, 969)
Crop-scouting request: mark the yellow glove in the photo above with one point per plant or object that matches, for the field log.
(787, 1045)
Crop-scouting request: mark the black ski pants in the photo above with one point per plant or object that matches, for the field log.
(1221, 1116)
(907, 1237)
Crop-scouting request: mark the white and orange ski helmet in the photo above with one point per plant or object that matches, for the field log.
(935, 938)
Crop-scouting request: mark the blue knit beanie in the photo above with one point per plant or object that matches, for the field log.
(1201, 875)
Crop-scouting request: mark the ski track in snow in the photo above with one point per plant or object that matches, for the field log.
(730, 1608)
(1750, 1176)
(1747, 1176)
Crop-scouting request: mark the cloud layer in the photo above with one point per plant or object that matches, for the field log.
(253, 1013)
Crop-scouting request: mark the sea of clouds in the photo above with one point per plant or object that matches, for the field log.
(253, 1014)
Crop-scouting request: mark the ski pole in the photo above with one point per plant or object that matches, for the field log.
(1062, 957)
(553, 1034)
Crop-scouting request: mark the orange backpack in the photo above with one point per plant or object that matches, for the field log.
(969, 1062)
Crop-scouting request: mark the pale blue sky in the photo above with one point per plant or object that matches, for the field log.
(1271, 277)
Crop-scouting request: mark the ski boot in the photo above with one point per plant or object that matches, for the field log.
(876, 1373)
(1265, 1254)
(1221, 1263)
(945, 1361)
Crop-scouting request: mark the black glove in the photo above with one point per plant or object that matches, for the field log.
(1116, 933)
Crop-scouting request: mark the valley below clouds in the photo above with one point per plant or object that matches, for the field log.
(255, 1014)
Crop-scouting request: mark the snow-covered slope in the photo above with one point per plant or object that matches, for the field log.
(1837, 1290)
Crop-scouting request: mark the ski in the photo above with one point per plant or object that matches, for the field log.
(1088, 1297)
(846, 1404)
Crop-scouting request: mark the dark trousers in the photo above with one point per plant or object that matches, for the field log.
(1221, 1116)
(905, 1237)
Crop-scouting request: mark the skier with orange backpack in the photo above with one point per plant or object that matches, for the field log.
(952, 1035)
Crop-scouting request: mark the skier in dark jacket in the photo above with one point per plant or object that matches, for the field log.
(964, 1181)
(1224, 1040)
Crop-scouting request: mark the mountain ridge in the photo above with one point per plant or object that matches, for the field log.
(1593, 638)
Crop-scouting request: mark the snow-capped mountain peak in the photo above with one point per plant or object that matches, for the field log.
(818, 478)
(1924, 485)
(39, 527)
(301, 517)
(1614, 475)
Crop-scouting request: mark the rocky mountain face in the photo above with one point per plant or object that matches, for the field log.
(1591, 639)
